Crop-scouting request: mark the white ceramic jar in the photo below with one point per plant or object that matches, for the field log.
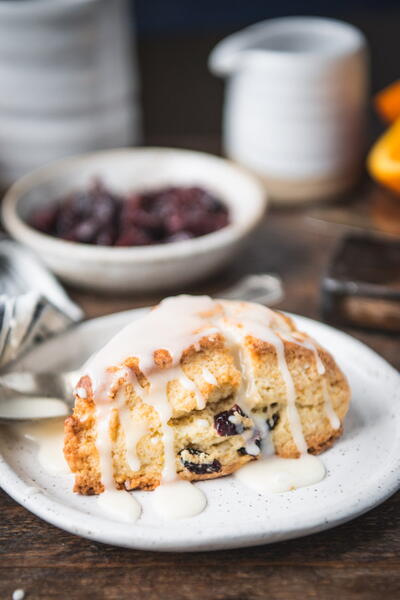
(67, 81)
(295, 104)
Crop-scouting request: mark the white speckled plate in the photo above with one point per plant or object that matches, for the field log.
(363, 466)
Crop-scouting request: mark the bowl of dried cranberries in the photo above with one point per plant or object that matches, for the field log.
(135, 220)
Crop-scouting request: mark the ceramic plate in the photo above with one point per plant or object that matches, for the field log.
(363, 467)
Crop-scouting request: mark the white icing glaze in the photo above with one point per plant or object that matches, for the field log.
(262, 323)
(178, 500)
(157, 397)
(33, 408)
(292, 412)
(330, 413)
(234, 336)
(133, 426)
(134, 429)
(174, 326)
(275, 474)
(320, 365)
(308, 343)
(190, 385)
(329, 410)
(208, 376)
(49, 436)
(81, 392)
(119, 505)
(252, 448)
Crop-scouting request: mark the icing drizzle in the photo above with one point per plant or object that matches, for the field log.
(173, 326)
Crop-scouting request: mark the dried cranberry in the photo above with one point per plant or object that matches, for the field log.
(175, 222)
(45, 219)
(199, 466)
(133, 236)
(273, 421)
(67, 218)
(98, 216)
(134, 214)
(223, 422)
(202, 469)
(212, 204)
(106, 237)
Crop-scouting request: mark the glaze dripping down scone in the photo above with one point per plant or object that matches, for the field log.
(195, 389)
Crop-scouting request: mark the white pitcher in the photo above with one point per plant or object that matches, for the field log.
(67, 80)
(295, 104)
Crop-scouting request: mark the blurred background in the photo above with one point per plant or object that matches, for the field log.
(48, 56)
(93, 74)
(175, 37)
(84, 75)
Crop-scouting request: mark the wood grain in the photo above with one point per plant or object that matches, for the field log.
(355, 560)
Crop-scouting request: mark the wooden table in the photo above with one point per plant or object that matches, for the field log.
(358, 560)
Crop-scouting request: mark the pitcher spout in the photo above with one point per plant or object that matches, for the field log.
(230, 52)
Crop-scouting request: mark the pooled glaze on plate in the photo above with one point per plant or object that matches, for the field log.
(49, 438)
(33, 408)
(363, 468)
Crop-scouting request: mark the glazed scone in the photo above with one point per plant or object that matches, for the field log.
(194, 389)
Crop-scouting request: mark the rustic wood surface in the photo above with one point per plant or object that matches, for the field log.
(357, 560)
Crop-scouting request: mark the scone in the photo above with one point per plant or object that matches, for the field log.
(197, 388)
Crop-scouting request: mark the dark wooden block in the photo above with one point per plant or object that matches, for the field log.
(362, 285)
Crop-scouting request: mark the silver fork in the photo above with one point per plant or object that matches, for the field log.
(52, 393)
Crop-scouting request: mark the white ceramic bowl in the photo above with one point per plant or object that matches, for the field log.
(137, 269)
